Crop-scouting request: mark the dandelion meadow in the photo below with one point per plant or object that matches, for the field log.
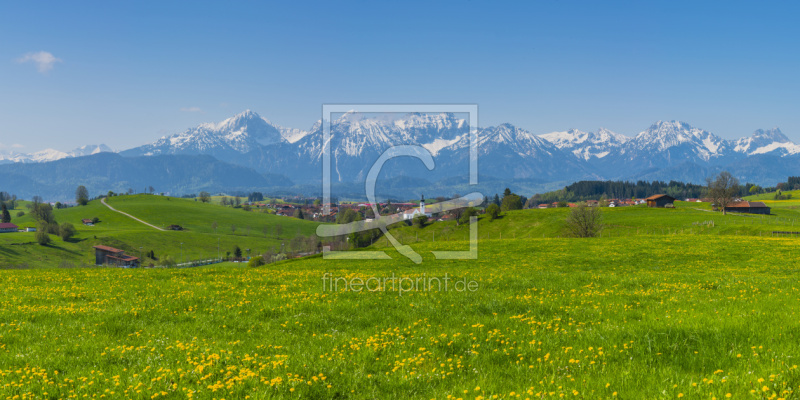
(621, 317)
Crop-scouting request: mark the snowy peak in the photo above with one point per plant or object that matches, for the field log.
(241, 133)
(587, 145)
(665, 135)
(357, 133)
(769, 141)
(515, 139)
(88, 150)
(53, 154)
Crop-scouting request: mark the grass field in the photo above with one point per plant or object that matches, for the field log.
(685, 219)
(771, 196)
(255, 231)
(659, 307)
(683, 316)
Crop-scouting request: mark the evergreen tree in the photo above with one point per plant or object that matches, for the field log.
(6, 216)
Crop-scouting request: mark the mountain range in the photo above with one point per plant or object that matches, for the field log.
(508, 155)
(52, 155)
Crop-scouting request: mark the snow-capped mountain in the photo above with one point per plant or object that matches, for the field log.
(677, 139)
(770, 141)
(357, 140)
(89, 150)
(52, 154)
(239, 134)
(666, 150)
(587, 145)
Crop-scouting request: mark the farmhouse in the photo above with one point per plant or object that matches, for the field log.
(8, 227)
(750, 207)
(659, 200)
(105, 255)
(87, 222)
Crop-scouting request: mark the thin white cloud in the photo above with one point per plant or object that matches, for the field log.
(44, 60)
(191, 109)
(11, 146)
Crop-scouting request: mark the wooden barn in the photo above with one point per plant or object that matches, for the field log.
(659, 200)
(105, 255)
(750, 207)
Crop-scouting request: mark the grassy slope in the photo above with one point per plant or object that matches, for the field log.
(699, 316)
(198, 217)
(122, 232)
(771, 196)
(685, 219)
(199, 241)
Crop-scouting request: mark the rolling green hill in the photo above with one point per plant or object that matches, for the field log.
(771, 195)
(684, 219)
(260, 231)
(198, 241)
(196, 216)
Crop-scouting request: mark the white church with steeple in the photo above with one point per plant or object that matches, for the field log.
(414, 212)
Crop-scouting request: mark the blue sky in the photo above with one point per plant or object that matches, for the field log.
(127, 73)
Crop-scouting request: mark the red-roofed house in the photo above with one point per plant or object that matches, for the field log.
(105, 255)
(8, 227)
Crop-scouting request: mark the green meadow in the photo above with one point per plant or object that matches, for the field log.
(252, 230)
(659, 307)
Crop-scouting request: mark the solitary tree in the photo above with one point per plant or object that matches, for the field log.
(233, 228)
(42, 237)
(584, 221)
(66, 231)
(237, 252)
(43, 212)
(205, 197)
(466, 214)
(81, 195)
(298, 213)
(493, 211)
(722, 190)
(420, 220)
(214, 226)
(510, 202)
(6, 215)
(256, 261)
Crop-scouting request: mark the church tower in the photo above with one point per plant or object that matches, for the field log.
(422, 205)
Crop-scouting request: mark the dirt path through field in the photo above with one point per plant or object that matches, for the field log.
(129, 216)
